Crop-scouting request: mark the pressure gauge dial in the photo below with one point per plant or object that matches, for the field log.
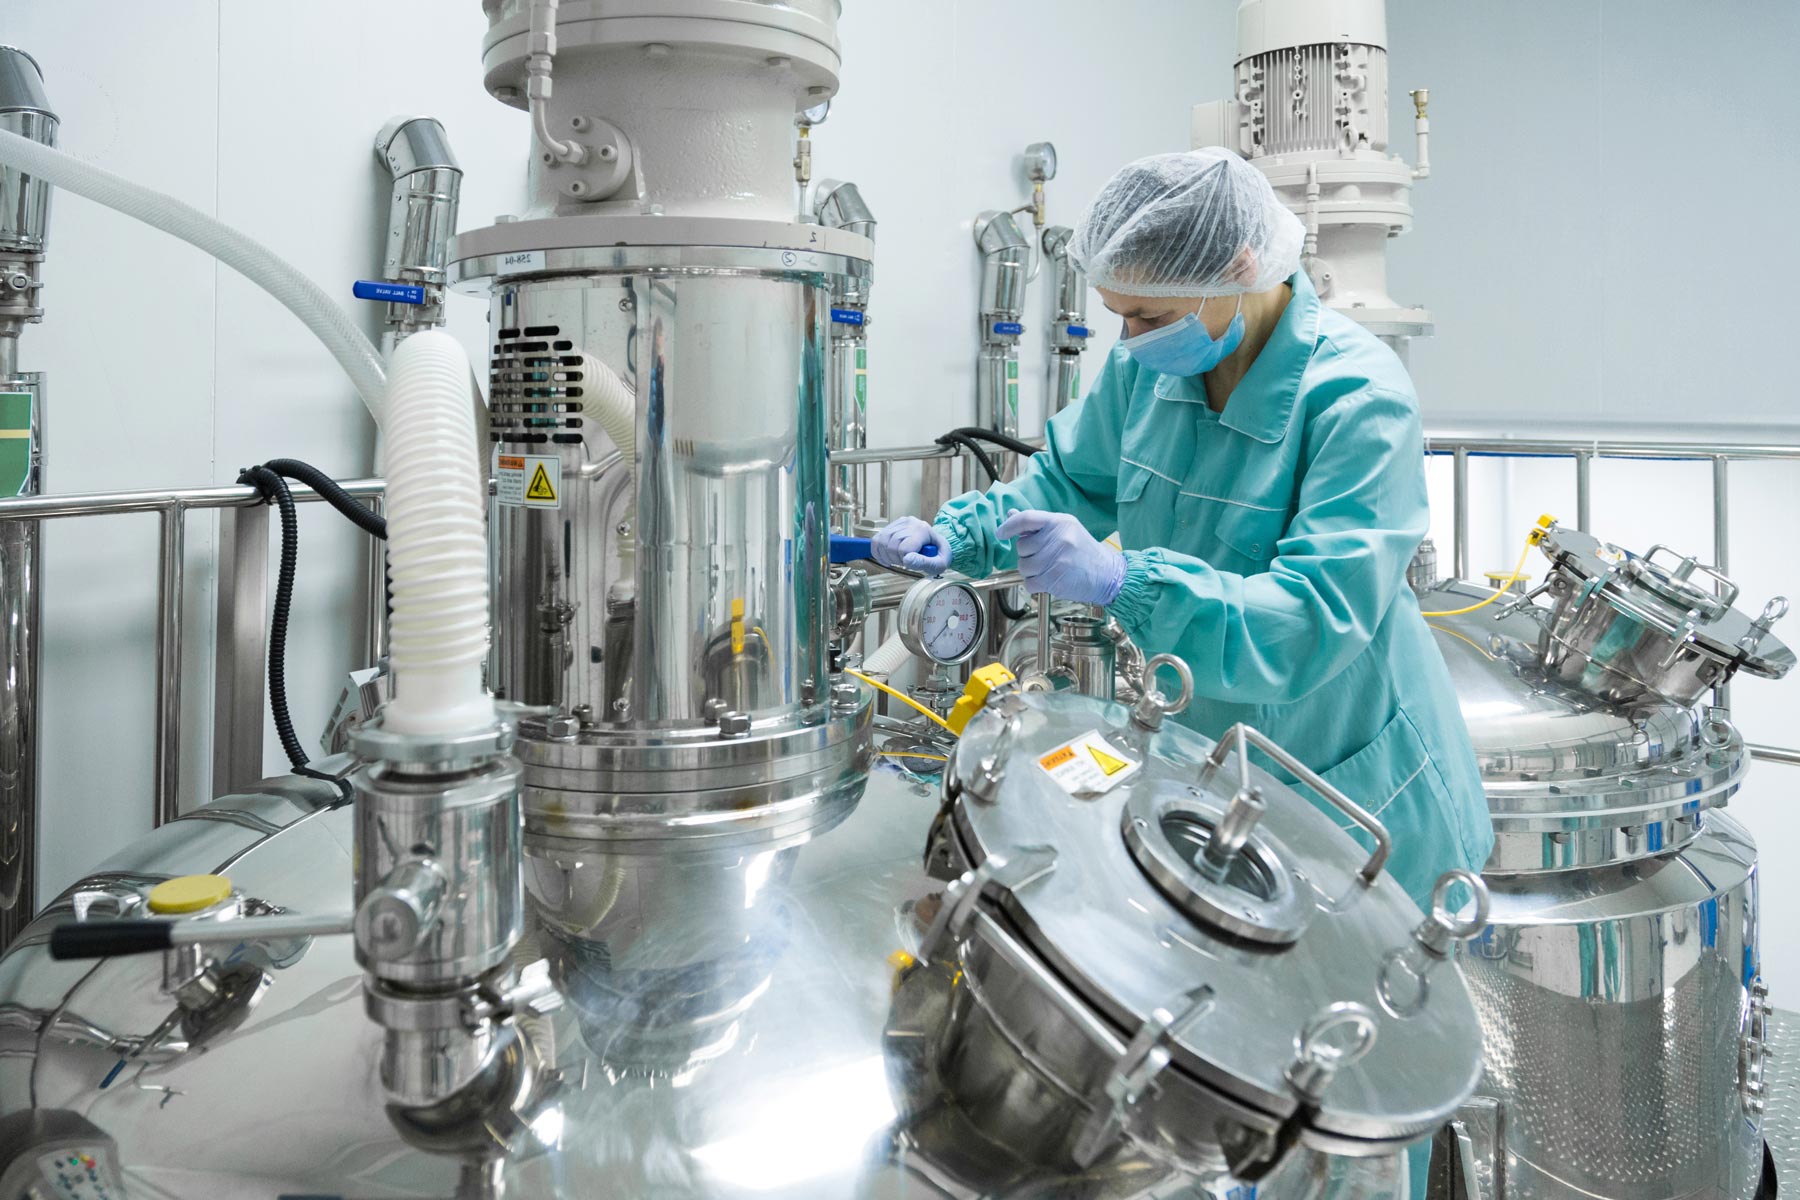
(1040, 162)
(942, 620)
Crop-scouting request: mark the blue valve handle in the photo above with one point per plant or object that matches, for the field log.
(854, 549)
(393, 293)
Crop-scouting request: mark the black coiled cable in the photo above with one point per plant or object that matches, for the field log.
(270, 479)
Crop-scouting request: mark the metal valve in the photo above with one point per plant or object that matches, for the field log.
(1152, 706)
(394, 920)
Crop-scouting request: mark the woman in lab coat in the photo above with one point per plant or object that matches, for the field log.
(1261, 459)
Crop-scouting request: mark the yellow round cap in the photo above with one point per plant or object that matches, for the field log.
(189, 893)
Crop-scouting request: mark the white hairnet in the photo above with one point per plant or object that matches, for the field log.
(1203, 223)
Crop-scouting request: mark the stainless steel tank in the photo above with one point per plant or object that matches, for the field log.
(849, 1037)
(658, 403)
(1619, 979)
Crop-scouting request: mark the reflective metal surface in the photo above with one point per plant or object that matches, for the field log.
(24, 232)
(841, 206)
(771, 1060)
(1618, 977)
(1616, 1006)
(1005, 261)
(727, 602)
(1091, 927)
(1571, 779)
(1652, 629)
(421, 218)
(21, 604)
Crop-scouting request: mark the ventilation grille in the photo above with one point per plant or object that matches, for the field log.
(534, 388)
(1312, 98)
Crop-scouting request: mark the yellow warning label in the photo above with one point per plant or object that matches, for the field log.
(528, 480)
(1109, 764)
(1088, 766)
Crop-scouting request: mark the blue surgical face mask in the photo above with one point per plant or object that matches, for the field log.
(1184, 347)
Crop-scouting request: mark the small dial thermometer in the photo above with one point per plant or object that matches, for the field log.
(942, 620)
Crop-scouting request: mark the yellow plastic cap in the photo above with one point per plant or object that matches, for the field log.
(189, 893)
(1546, 521)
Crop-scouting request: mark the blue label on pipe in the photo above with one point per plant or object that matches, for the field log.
(393, 293)
(1008, 327)
(1079, 331)
(846, 316)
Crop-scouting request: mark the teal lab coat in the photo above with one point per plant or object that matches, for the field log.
(1267, 546)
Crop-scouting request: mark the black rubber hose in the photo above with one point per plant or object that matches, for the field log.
(330, 491)
(1004, 441)
(973, 447)
(275, 488)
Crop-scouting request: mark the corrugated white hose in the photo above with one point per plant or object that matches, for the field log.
(606, 401)
(888, 657)
(437, 542)
(250, 258)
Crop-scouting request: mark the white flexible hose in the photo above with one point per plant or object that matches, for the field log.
(250, 258)
(437, 543)
(606, 401)
(888, 657)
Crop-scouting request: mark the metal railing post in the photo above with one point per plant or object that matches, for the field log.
(1459, 510)
(1721, 505)
(240, 650)
(171, 572)
(375, 606)
(1584, 493)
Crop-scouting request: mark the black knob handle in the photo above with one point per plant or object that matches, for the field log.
(104, 939)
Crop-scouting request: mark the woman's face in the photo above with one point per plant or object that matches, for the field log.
(1144, 313)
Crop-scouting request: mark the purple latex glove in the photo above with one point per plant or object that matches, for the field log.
(899, 542)
(1058, 556)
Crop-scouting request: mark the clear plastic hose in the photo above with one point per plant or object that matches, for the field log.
(250, 258)
(437, 543)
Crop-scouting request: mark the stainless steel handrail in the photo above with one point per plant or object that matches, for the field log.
(231, 666)
(243, 574)
(1583, 452)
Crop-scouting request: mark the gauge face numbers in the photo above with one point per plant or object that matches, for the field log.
(942, 621)
(950, 624)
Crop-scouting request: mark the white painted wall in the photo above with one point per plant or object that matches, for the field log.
(1595, 246)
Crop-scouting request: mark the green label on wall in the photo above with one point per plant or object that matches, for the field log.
(1012, 396)
(1012, 368)
(1075, 384)
(862, 377)
(15, 442)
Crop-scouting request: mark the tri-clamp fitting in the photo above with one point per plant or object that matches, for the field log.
(439, 905)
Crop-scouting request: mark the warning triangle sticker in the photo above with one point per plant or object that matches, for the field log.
(540, 488)
(1109, 764)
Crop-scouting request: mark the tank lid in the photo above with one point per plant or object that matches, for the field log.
(1195, 902)
(1547, 748)
(1677, 595)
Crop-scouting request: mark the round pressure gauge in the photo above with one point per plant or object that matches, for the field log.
(942, 620)
(1040, 162)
